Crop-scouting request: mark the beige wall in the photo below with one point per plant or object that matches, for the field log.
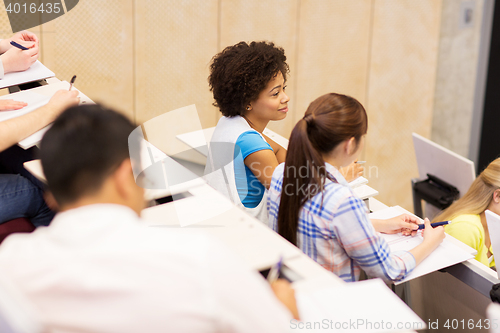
(402, 73)
(95, 42)
(148, 57)
(456, 77)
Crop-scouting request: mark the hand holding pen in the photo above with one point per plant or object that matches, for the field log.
(432, 236)
(435, 224)
(274, 272)
(282, 289)
(73, 79)
(19, 57)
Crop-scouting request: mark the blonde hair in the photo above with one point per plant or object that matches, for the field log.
(478, 197)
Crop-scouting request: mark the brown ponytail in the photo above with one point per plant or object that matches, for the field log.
(328, 121)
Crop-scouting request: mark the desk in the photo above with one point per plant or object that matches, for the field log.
(42, 96)
(252, 241)
(457, 292)
(248, 237)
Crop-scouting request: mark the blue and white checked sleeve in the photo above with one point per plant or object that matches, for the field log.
(365, 246)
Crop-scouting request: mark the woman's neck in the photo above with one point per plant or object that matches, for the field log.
(257, 124)
(336, 162)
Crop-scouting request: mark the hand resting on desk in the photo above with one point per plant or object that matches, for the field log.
(10, 104)
(405, 223)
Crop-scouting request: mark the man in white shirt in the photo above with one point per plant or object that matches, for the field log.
(98, 269)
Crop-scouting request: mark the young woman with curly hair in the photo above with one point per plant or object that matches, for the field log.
(248, 82)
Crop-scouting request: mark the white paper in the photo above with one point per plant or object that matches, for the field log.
(36, 72)
(208, 212)
(36, 98)
(445, 255)
(358, 182)
(34, 101)
(365, 306)
(364, 192)
(493, 221)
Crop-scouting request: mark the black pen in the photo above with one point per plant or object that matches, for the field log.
(19, 46)
(73, 79)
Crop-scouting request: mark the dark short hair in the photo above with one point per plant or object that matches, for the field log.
(240, 72)
(82, 148)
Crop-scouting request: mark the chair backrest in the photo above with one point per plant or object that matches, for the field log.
(13, 226)
(17, 314)
(162, 131)
(443, 163)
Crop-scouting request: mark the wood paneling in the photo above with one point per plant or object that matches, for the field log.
(275, 21)
(402, 75)
(95, 42)
(174, 43)
(333, 52)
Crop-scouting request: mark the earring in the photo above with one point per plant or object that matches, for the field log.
(248, 108)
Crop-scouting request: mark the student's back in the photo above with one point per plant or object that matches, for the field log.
(96, 269)
(311, 205)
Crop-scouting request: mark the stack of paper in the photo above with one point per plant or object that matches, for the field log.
(358, 182)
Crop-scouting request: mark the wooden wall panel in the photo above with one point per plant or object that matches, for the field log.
(333, 51)
(95, 42)
(456, 77)
(401, 85)
(174, 42)
(276, 21)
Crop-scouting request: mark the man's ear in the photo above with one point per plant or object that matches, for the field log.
(123, 175)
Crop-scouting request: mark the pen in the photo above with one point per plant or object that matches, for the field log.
(72, 81)
(435, 224)
(19, 46)
(274, 272)
(360, 162)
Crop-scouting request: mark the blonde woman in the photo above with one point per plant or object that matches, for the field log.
(467, 213)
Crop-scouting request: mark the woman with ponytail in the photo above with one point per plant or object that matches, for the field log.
(311, 205)
(467, 213)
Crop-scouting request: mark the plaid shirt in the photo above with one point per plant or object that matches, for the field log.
(338, 234)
